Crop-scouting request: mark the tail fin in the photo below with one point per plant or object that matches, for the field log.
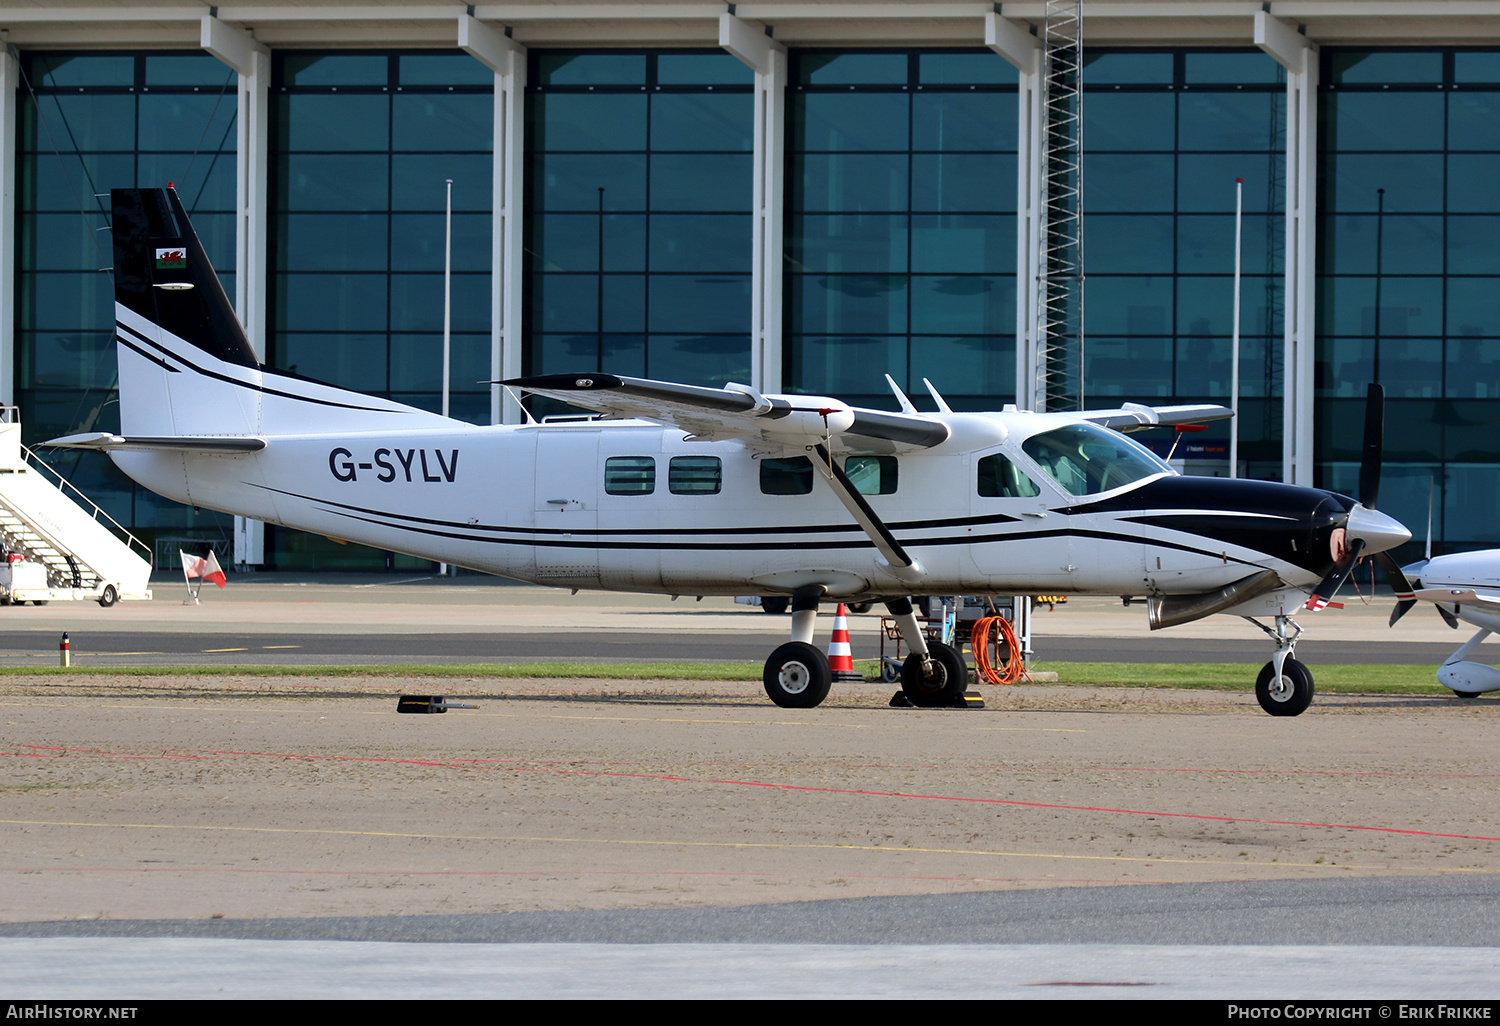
(186, 367)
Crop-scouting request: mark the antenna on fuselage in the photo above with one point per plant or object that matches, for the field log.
(906, 406)
(942, 403)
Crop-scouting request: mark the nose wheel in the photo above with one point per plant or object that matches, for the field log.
(1286, 694)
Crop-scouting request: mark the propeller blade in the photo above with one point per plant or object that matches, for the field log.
(1373, 447)
(1406, 595)
(1329, 586)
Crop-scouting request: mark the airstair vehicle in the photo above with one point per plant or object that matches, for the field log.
(59, 544)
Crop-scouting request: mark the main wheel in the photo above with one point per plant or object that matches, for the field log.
(942, 684)
(109, 596)
(774, 604)
(1288, 696)
(1467, 694)
(797, 676)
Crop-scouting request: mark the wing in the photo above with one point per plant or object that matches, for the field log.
(772, 423)
(1137, 417)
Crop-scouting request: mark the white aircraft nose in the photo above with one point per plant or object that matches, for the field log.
(1378, 531)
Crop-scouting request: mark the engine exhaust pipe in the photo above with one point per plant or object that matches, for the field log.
(1172, 610)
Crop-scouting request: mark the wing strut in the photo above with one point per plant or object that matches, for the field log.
(855, 503)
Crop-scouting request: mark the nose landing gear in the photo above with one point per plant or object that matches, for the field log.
(1285, 686)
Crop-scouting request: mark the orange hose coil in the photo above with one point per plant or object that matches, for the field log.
(993, 632)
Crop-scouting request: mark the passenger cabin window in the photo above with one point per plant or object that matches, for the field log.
(792, 476)
(872, 475)
(695, 475)
(999, 478)
(630, 475)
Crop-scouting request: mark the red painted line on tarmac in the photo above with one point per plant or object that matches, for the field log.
(1011, 802)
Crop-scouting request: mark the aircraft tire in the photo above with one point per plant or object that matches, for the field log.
(1291, 699)
(109, 596)
(774, 604)
(797, 676)
(944, 686)
(1467, 694)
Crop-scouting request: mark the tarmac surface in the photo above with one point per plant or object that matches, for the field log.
(214, 836)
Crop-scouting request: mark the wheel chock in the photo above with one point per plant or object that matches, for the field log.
(428, 704)
(970, 700)
(900, 701)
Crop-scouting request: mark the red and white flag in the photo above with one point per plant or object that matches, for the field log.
(200, 566)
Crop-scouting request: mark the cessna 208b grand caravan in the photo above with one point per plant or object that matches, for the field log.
(683, 489)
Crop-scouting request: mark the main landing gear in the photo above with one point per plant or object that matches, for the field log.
(797, 675)
(1285, 686)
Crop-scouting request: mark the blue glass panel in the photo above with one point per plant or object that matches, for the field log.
(569, 302)
(572, 181)
(333, 242)
(1203, 367)
(418, 181)
(1471, 245)
(348, 361)
(334, 69)
(852, 69)
(713, 360)
(1129, 183)
(1471, 501)
(56, 300)
(1232, 121)
(70, 72)
(1127, 68)
(964, 121)
(1122, 244)
(323, 123)
(1129, 121)
(63, 242)
(962, 304)
(844, 365)
(1251, 67)
(1408, 306)
(52, 179)
(843, 122)
(1473, 368)
(984, 367)
(695, 121)
(1128, 306)
(849, 242)
(570, 242)
(204, 182)
(1474, 306)
(417, 362)
(1382, 121)
(1205, 182)
(317, 182)
(1411, 368)
(446, 121)
(946, 182)
(588, 121)
(563, 354)
(1469, 66)
(1353, 67)
(67, 359)
(1205, 305)
(1472, 179)
(1344, 366)
(702, 181)
(419, 69)
(936, 69)
(1128, 367)
(417, 302)
(848, 304)
(1205, 243)
(591, 69)
(851, 182)
(417, 242)
(1412, 182)
(1474, 121)
(203, 71)
(699, 303)
(1409, 245)
(716, 243)
(87, 121)
(962, 244)
(331, 302)
(702, 69)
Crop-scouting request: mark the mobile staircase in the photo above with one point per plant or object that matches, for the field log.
(72, 548)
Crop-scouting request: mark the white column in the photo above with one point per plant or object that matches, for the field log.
(10, 73)
(1299, 55)
(751, 43)
(507, 59)
(1024, 50)
(252, 61)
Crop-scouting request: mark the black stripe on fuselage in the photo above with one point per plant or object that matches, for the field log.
(236, 381)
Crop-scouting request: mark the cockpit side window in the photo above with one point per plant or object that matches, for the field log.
(999, 478)
(1085, 459)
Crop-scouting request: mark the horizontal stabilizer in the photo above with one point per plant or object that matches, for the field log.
(103, 441)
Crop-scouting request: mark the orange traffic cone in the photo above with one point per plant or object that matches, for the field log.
(840, 655)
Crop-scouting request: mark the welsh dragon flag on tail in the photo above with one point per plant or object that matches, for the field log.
(201, 566)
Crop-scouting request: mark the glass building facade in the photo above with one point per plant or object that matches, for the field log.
(898, 211)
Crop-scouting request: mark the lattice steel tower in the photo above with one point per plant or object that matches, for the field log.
(1059, 331)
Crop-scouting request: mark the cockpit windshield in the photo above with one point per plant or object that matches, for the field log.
(1085, 459)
